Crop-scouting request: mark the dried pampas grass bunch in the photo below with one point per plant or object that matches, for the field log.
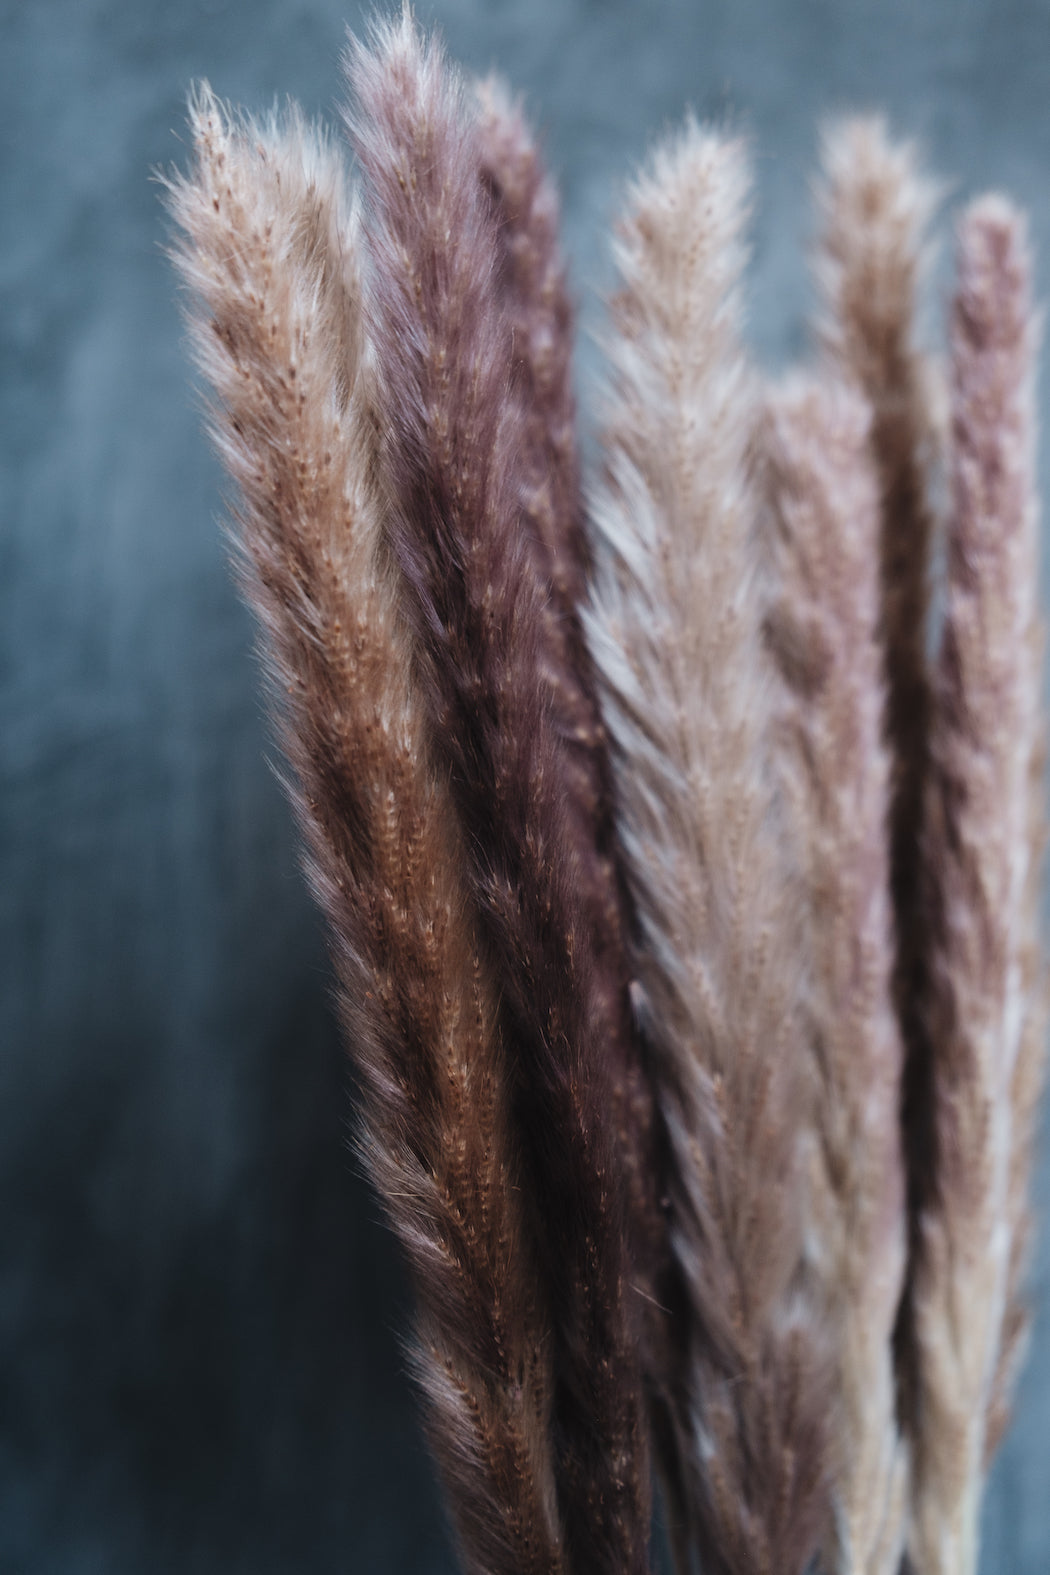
(683, 906)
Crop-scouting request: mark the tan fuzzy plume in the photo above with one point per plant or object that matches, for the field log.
(271, 252)
(460, 422)
(985, 1017)
(825, 633)
(871, 259)
(677, 631)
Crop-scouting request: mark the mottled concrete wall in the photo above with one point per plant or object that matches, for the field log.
(199, 1367)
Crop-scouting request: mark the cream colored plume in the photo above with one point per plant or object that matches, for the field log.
(872, 255)
(983, 839)
(825, 633)
(677, 631)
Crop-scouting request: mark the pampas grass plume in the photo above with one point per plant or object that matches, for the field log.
(271, 251)
(825, 632)
(461, 456)
(683, 911)
(983, 840)
(676, 627)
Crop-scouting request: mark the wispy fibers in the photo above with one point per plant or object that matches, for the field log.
(457, 436)
(677, 631)
(982, 846)
(825, 633)
(271, 254)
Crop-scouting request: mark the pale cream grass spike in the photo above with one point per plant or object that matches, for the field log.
(984, 838)
(677, 630)
(871, 260)
(825, 632)
(872, 256)
(271, 254)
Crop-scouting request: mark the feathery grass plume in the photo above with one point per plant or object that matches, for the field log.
(677, 630)
(825, 632)
(982, 846)
(539, 313)
(535, 299)
(270, 251)
(871, 258)
(458, 453)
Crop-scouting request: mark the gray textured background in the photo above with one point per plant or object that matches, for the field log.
(199, 1367)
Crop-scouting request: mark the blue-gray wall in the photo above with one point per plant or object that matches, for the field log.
(199, 1311)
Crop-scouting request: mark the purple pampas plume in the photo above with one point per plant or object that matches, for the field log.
(458, 430)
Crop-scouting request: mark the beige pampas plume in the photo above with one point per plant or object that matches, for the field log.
(270, 251)
(677, 631)
(825, 632)
(984, 834)
(459, 419)
(871, 258)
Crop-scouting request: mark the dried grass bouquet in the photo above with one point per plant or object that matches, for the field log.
(683, 904)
